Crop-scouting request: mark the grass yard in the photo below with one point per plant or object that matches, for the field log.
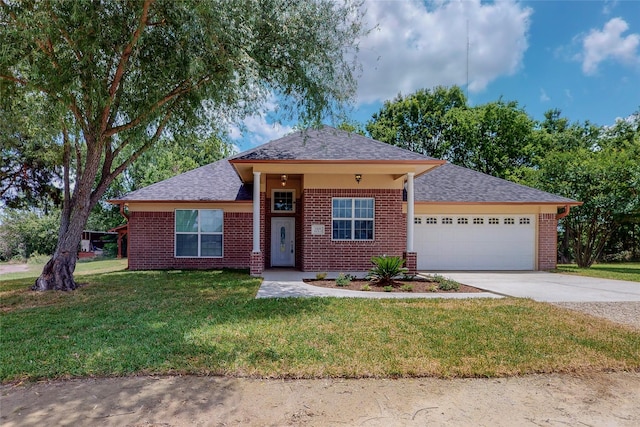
(83, 267)
(208, 323)
(618, 271)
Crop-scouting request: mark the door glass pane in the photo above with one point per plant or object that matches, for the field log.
(186, 245)
(211, 245)
(211, 221)
(186, 220)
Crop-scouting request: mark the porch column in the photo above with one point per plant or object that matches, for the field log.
(410, 256)
(410, 211)
(256, 266)
(256, 212)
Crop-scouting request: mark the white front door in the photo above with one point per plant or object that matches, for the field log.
(283, 242)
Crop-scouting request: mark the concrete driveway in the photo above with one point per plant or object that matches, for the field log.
(549, 287)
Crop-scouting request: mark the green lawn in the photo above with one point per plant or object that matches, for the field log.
(82, 268)
(172, 322)
(619, 271)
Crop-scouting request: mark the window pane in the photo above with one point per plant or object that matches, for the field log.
(363, 208)
(211, 221)
(342, 208)
(283, 201)
(186, 245)
(363, 230)
(187, 220)
(341, 229)
(211, 245)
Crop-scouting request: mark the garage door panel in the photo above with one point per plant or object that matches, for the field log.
(463, 245)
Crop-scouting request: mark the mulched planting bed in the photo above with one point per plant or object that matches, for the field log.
(417, 286)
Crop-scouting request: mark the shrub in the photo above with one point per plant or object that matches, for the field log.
(445, 284)
(320, 276)
(343, 280)
(366, 288)
(406, 288)
(385, 269)
(388, 288)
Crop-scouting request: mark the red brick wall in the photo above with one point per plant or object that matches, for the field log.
(323, 254)
(151, 242)
(547, 241)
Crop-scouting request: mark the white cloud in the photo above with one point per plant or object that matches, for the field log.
(543, 96)
(418, 45)
(608, 7)
(609, 44)
(259, 128)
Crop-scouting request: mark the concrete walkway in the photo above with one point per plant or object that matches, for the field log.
(289, 283)
(538, 285)
(550, 287)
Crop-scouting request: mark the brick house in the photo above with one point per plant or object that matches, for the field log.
(329, 200)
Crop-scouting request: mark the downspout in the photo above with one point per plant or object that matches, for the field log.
(122, 212)
(567, 209)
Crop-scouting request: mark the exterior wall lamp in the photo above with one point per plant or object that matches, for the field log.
(358, 177)
(283, 179)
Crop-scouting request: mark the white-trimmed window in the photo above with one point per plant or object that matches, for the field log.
(509, 221)
(447, 220)
(494, 221)
(431, 220)
(417, 220)
(463, 221)
(199, 233)
(352, 218)
(283, 201)
(478, 221)
(525, 221)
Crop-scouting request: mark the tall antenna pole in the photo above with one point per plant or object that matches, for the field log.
(467, 86)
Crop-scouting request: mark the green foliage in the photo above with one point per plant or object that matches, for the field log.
(343, 279)
(496, 138)
(321, 275)
(365, 288)
(27, 233)
(406, 288)
(445, 284)
(417, 121)
(601, 169)
(385, 269)
(388, 288)
(30, 157)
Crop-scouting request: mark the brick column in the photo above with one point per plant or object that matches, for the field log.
(547, 241)
(257, 264)
(411, 262)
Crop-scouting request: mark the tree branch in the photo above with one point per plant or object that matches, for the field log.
(122, 64)
(181, 89)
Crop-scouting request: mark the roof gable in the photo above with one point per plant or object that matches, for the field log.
(328, 144)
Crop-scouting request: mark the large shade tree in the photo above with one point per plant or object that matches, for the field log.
(120, 74)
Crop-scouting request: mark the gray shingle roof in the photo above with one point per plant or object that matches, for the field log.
(219, 181)
(451, 183)
(328, 143)
(215, 181)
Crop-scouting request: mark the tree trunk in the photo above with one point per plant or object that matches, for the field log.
(58, 273)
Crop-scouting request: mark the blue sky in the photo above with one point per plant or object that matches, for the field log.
(582, 57)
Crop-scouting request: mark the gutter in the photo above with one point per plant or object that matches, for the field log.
(567, 209)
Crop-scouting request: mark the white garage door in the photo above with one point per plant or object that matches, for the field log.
(475, 242)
